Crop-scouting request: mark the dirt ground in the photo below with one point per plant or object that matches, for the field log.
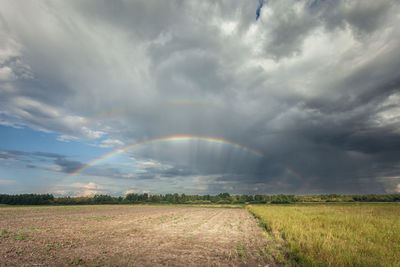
(126, 235)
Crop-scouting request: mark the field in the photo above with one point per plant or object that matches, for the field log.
(219, 235)
(336, 234)
(127, 235)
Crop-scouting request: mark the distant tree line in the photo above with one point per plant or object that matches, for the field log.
(223, 198)
(27, 199)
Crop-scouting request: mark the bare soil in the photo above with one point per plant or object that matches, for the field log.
(125, 235)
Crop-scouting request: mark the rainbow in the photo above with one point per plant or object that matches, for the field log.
(166, 139)
(297, 175)
(108, 114)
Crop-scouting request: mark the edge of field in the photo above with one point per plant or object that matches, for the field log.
(280, 249)
(225, 206)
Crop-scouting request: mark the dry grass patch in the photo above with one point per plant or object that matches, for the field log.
(336, 235)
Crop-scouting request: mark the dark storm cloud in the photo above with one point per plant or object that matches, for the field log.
(174, 172)
(292, 22)
(68, 166)
(313, 85)
(147, 173)
(289, 26)
(364, 16)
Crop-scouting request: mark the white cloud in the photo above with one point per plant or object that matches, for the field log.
(55, 168)
(150, 163)
(59, 192)
(130, 191)
(91, 134)
(110, 143)
(88, 193)
(6, 74)
(89, 186)
(10, 124)
(128, 176)
(388, 114)
(134, 191)
(228, 27)
(48, 118)
(66, 138)
(80, 189)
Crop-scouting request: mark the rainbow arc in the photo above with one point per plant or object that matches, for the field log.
(168, 139)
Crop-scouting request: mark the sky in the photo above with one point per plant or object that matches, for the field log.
(199, 97)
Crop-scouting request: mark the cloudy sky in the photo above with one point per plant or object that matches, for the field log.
(199, 97)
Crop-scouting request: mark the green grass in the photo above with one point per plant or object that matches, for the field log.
(4, 233)
(336, 235)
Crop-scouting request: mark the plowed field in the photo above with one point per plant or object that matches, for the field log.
(124, 235)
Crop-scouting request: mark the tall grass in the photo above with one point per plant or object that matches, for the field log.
(336, 235)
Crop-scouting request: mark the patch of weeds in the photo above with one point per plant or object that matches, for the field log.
(241, 250)
(230, 256)
(20, 237)
(266, 235)
(261, 251)
(76, 262)
(19, 252)
(4, 233)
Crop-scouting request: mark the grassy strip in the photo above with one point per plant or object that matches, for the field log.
(277, 249)
(326, 235)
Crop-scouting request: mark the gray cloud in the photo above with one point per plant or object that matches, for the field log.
(68, 166)
(13, 155)
(36, 160)
(313, 85)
